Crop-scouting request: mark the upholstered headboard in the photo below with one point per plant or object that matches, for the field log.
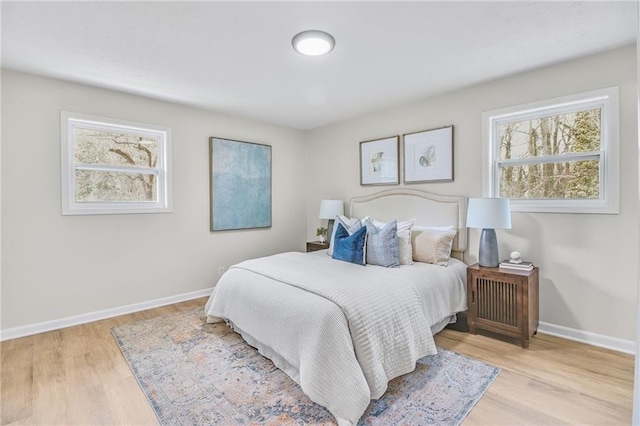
(428, 209)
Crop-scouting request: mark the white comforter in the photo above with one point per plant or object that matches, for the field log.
(351, 329)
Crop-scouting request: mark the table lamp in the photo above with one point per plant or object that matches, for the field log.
(489, 214)
(329, 209)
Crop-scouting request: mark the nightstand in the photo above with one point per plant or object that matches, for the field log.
(503, 301)
(316, 245)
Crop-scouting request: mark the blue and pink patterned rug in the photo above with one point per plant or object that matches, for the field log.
(195, 373)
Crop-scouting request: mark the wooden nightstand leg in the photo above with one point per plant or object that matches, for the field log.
(525, 344)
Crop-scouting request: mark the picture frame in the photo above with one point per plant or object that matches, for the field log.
(239, 200)
(428, 155)
(379, 161)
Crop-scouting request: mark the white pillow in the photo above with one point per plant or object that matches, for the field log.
(433, 245)
(404, 239)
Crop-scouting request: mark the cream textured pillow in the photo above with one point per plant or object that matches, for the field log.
(417, 230)
(404, 239)
(433, 245)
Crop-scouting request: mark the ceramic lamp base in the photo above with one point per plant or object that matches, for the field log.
(488, 251)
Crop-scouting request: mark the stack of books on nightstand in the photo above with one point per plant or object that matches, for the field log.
(522, 266)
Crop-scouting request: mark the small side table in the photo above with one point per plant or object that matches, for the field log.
(503, 301)
(316, 245)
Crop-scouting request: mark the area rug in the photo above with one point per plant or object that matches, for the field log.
(195, 373)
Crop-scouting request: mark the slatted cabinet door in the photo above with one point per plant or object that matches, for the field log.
(502, 301)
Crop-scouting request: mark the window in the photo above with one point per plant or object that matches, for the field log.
(113, 166)
(559, 155)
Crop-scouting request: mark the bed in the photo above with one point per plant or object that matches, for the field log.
(340, 330)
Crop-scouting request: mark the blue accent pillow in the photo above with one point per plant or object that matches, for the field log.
(350, 224)
(349, 248)
(382, 244)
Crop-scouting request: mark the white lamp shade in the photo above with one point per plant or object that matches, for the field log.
(489, 213)
(329, 209)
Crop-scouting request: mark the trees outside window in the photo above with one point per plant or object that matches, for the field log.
(113, 166)
(559, 155)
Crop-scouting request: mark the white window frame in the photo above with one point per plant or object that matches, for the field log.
(607, 100)
(68, 122)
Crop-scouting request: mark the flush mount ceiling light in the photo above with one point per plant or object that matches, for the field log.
(313, 43)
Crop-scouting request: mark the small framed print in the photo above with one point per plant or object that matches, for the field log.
(428, 156)
(379, 161)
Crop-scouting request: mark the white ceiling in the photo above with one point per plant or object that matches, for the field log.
(236, 57)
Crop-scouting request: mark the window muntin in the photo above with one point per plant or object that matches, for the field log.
(114, 166)
(559, 155)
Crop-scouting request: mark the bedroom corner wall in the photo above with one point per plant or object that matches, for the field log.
(588, 272)
(636, 382)
(56, 266)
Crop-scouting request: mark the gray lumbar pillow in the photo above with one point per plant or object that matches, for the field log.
(382, 244)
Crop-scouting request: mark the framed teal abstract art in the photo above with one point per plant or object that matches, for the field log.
(240, 181)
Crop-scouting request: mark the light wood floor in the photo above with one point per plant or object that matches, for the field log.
(78, 376)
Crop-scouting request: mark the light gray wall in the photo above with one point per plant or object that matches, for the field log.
(56, 266)
(588, 270)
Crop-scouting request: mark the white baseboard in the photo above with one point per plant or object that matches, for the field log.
(28, 330)
(614, 343)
